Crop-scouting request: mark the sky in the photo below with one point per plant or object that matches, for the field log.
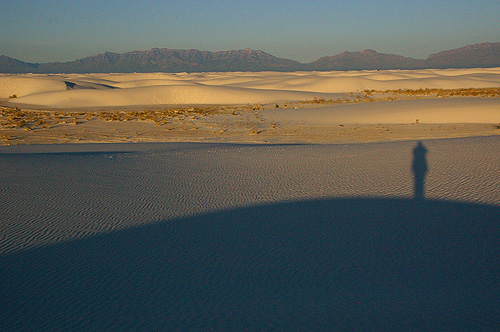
(58, 30)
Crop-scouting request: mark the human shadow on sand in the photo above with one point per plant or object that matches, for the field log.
(419, 168)
(316, 265)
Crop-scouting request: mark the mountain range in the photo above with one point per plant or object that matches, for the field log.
(484, 55)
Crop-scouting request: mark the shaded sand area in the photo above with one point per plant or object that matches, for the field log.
(203, 236)
(267, 107)
(189, 222)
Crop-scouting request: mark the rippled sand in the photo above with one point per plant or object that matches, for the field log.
(217, 216)
(249, 237)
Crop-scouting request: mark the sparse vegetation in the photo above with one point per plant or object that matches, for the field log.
(369, 96)
(469, 92)
(33, 119)
(220, 120)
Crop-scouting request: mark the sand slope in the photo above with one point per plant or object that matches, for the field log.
(150, 237)
(204, 236)
(463, 110)
(106, 187)
(105, 90)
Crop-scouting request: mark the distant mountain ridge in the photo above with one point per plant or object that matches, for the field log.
(169, 60)
(368, 60)
(478, 55)
(11, 65)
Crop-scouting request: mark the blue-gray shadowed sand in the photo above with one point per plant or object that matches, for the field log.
(225, 237)
(355, 264)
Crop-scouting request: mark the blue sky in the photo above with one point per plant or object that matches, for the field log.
(57, 30)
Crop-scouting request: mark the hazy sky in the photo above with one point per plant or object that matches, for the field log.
(58, 30)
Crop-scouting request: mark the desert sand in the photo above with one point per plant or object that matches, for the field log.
(249, 107)
(192, 203)
(207, 236)
(111, 90)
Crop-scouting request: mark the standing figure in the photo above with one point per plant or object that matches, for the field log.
(419, 168)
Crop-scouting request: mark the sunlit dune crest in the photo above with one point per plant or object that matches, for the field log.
(107, 90)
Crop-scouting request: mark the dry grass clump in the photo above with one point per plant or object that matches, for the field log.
(468, 92)
(369, 96)
(354, 99)
(17, 118)
(321, 101)
(32, 119)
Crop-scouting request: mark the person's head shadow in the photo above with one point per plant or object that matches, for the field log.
(419, 168)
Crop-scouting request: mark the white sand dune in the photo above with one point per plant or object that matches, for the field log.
(162, 95)
(152, 237)
(432, 111)
(105, 187)
(105, 90)
(24, 85)
(206, 236)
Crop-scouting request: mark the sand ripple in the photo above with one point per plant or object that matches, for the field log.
(249, 237)
(53, 197)
(324, 264)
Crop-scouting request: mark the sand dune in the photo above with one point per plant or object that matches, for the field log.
(173, 94)
(24, 85)
(437, 111)
(105, 90)
(152, 237)
(106, 187)
(251, 237)
(249, 106)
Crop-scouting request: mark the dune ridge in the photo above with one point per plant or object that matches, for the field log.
(104, 90)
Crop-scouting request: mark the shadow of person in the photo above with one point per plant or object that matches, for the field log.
(343, 264)
(419, 168)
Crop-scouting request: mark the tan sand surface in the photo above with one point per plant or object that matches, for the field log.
(105, 90)
(249, 107)
(428, 111)
(161, 235)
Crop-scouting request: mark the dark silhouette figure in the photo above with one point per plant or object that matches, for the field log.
(419, 168)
